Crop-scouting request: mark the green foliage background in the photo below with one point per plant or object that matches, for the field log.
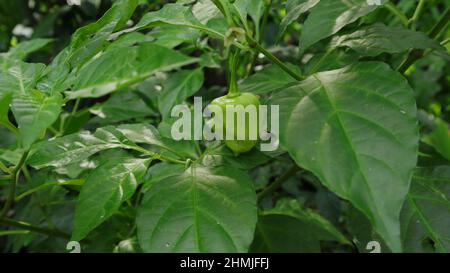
(85, 148)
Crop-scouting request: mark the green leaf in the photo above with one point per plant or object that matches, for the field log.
(330, 16)
(290, 228)
(378, 38)
(11, 156)
(175, 15)
(106, 188)
(140, 133)
(198, 210)
(269, 79)
(245, 8)
(75, 183)
(35, 112)
(119, 68)
(330, 60)
(171, 36)
(256, 9)
(19, 77)
(54, 216)
(117, 108)
(81, 168)
(219, 154)
(440, 138)
(362, 232)
(189, 149)
(177, 88)
(91, 39)
(426, 214)
(294, 9)
(56, 77)
(22, 50)
(356, 129)
(77, 147)
(205, 10)
(130, 39)
(237, 8)
(5, 101)
(86, 42)
(160, 172)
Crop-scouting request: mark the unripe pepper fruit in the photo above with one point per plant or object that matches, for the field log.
(234, 99)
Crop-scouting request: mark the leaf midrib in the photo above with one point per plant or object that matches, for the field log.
(194, 197)
(347, 138)
(426, 224)
(124, 82)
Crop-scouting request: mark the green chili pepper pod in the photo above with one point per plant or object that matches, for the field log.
(243, 99)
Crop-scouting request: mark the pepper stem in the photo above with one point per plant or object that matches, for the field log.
(233, 90)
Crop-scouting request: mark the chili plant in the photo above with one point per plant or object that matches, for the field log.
(87, 153)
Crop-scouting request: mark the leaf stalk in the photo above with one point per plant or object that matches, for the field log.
(273, 58)
(278, 183)
(416, 54)
(30, 227)
(15, 174)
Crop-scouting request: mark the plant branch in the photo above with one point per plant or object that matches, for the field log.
(255, 44)
(273, 58)
(445, 42)
(440, 25)
(26, 173)
(75, 182)
(15, 174)
(259, 32)
(400, 15)
(66, 125)
(54, 131)
(277, 183)
(264, 20)
(417, 13)
(13, 232)
(4, 168)
(225, 11)
(417, 54)
(157, 156)
(11, 127)
(233, 89)
(30, 227)
(320, 61)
